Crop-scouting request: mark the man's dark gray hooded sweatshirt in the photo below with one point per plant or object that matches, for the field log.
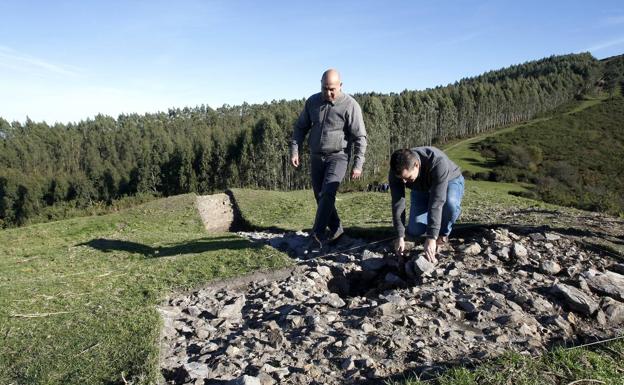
(436, 170)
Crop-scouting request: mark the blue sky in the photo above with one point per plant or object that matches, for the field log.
(69, 60)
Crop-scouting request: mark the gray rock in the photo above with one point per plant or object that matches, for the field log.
(397, 300)
(552, 237)
(601, 318)
(575, 299)
(537, 237)
(550, 267)
(368, 328)
(617, 268)
(519, 251)
(422, 266)
(394, 280)
(373, 264)
(560, 323)
(324, 271)
(197, 370)
(466, 306)
(333, 300)
(609, 283)
(387, 309)
(245, 380)
(614, 312)
(232, 310)
(472, 249)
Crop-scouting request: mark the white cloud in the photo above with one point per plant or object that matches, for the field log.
(605, 44)
(17, 61)
(614, 20)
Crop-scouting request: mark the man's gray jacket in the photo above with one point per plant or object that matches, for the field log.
(436, 170)
(332, 126)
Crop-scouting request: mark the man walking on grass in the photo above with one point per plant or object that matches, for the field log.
(437, 189)
(334, 122)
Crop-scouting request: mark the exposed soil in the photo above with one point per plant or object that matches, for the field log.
(358, 314)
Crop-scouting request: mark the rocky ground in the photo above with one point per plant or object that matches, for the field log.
(358, 314)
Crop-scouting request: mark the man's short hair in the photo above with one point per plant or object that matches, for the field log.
(403, 159)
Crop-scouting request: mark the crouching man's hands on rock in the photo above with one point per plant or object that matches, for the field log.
(430, 250)
(399, 246)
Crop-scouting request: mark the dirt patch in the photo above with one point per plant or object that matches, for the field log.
(358, 314)
(216, 212)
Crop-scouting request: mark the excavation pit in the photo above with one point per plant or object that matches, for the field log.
(360, 316)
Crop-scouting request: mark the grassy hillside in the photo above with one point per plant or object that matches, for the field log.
(467, 153)
(77, 297)
(572, 159)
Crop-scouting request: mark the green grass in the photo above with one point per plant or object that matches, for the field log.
(601, 365)
(366, 213)
(77, 297)
(466, 156)
(294, 210)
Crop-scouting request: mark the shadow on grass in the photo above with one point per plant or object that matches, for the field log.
(193, 247)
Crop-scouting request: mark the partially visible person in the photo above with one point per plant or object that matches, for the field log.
(437, 188)
(334, 121)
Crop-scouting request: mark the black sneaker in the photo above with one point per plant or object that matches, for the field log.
(335, 236)
(315, 247)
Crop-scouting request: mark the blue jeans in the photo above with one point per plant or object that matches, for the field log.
(417, 224)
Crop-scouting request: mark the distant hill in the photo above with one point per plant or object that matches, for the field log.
(48, 172)
(572, 159)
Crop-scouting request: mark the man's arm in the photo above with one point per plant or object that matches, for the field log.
(302, 126)
(397, 192)
(437, 198)
(358, 135)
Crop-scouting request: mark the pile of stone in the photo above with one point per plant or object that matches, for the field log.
(361, 315)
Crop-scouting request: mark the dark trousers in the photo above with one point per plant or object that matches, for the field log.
(327, 171)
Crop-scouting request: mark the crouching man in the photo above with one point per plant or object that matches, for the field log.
(437, 188)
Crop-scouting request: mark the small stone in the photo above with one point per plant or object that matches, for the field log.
(601, 318)
(245, 380)
(472, 249)
(576, 299)
(617, 268)
(561, 323)
(394, 280)
(423, 266)
(372, 261)
(347, 364)
(197, 369)
(552, 237)
(519, 251)
(368, 328)
(614, 311)
(387, 309)
(550, 267)
(609, 283)
(333, 300)
(232, 310)
(324, 271)
(466, 306)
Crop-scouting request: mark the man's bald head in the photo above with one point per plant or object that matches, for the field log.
(331, 86)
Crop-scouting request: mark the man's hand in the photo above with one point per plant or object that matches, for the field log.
(430, 250)
(399, 246)
(356, 174)
(295, 160)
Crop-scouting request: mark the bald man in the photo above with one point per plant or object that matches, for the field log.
(334, 121)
